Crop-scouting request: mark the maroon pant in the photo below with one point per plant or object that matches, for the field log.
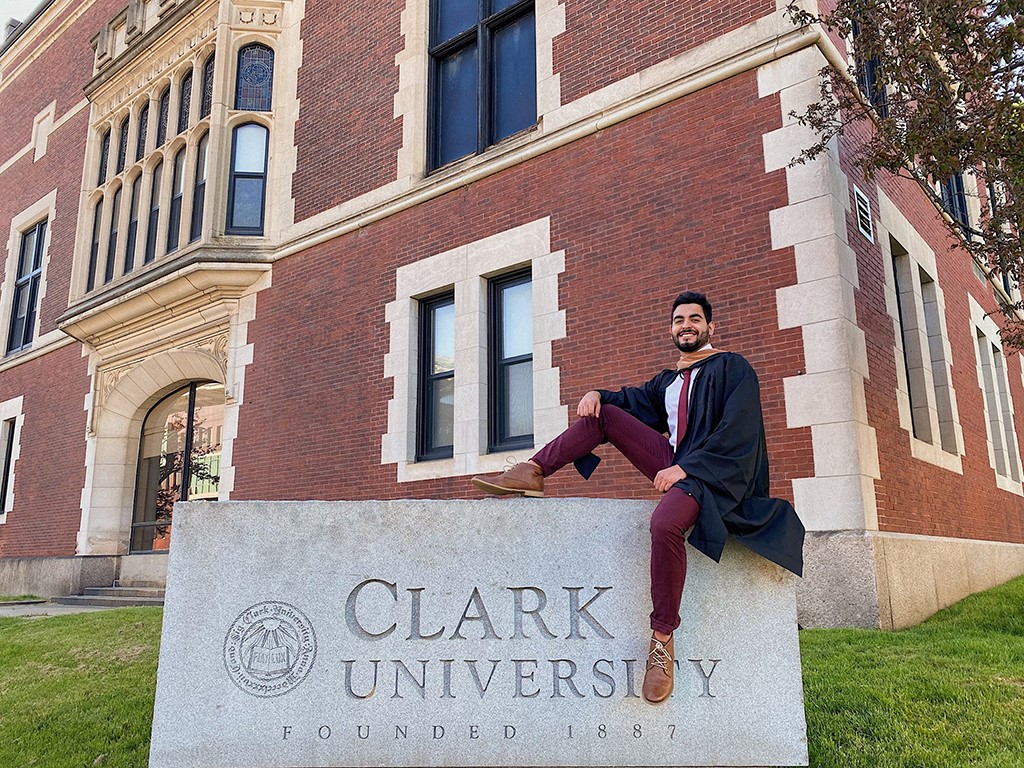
(649, 452)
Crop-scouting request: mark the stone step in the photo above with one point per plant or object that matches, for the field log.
(125, 591)
(107, 601)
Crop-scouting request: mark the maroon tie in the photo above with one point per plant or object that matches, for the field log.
(681, 419)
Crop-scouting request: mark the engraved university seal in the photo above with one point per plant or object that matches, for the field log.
(269, 649)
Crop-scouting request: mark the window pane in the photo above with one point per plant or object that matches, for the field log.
(37, 246)
(250, 149)
(165, 106)
(207, 436)
(453, 17)
(444, 338)
(140, 141)
(28, 249)
(207, 100)
(122, 145)
(519, 389)
(457, 105)
(500, 5)
(161, 471)
(247, 204)
(515, 78)
(201, 154)
(255, 78)
(516, 320)
(178, 183)
(104, 151)
(442, 406)
(185, 102)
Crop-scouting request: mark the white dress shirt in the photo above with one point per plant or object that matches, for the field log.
(672, 401)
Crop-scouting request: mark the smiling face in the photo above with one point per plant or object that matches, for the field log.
(690, 329)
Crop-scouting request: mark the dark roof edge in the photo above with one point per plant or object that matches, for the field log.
(24, 25)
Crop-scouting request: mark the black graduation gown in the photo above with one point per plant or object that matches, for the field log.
(725, 459)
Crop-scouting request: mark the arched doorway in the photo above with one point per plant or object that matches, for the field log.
(179, 460)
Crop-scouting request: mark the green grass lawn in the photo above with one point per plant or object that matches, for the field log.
(78, 690)
(18, 598)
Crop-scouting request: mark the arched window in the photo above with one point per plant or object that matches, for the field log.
(199, 188)
(115, 214)
(94, 250)
(165, 108)
(179, 460)
(255, 81)
(177, 188)
(247, 185)
(154, 214)
(122, 144)
(207, 96)
(133, 226)
(140, 140)
(104, 152)
(185, 102)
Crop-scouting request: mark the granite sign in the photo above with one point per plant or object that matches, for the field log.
(461, 633)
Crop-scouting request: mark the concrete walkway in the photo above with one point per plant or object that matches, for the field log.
(40, 610)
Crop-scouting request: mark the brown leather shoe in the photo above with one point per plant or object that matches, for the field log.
(523, 479)
(660, 668)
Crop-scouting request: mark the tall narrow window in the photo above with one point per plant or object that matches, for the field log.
(133, 226)
(247, 186)
(206, 103)
(436, 411)
(510, 311)
(163, 115)
(7, 442)
(122, 144)
(868, 79)
(179, 460)
(997, 404)
(955, 200)
(185, 102)
(94, 249)
(199, 189)
(104, 153)
(115, 214)
(483, 74)
(26, 288)
(255, 82)
(140, 139)
(154, 214)
(177, 191)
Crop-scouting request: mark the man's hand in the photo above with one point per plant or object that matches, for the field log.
(590, 405)
(669, 477)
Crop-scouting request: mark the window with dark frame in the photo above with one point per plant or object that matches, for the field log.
(199, 188)
(104, 153)
(483, 75)
(177, 193)
(247, 183)
(7, 427)
(140, 139)
(254, 83)
(122, 143)
(164, 114)
(206, 102)
(436, 397)
(154, 214)
(115, 214)
(26, 288)
(510, 352)
(868, 79)
(133, 226)
(954, 200)
(185, 102)
(94, 249)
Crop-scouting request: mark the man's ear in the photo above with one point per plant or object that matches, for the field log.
(711, 329)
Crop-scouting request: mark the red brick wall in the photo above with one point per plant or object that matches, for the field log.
(915, 496)
(609, 40)
(50, 472)
(59, 73)
(676, 198)
(347, 134)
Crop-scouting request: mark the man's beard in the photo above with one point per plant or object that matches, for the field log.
(699, 342)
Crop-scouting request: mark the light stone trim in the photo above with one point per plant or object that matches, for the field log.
(1001, 434)
(45, 208)
(931, 358)
(467, 269)
(879, 580)
(12, 409)
(828, 396)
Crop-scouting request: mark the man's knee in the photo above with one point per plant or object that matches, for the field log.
(676, 512)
